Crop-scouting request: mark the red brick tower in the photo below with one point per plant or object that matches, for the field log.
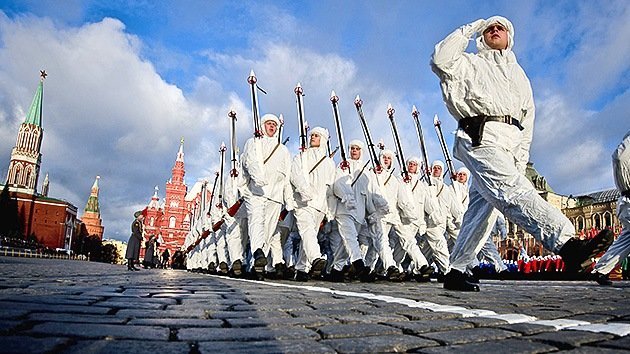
(155, 215)
(92, 213)
(176, 223)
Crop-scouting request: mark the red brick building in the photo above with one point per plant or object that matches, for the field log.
(52, 221)
(170, 220)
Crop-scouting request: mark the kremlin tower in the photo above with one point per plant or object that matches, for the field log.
(92, 214)
(26, 156)
(50, 220)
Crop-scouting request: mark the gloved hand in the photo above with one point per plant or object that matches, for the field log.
(259, 182)
(473, 27)
(350, 203)
(306, 195)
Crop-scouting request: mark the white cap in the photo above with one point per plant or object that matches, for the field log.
(438, 163)
(357, 143)
(387, 152)
(268, 117)
(322, 132)
(415, 159)
(464, 170)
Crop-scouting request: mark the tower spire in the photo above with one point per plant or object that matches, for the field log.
(26, 155)
(180, 153)
(92, 212)
(34, 115)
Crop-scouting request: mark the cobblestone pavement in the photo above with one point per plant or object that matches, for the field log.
(82, 307)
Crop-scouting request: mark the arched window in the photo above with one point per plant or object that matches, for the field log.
(171, 222)
(597, 221)
(580, 222)
(608, 219)
(151, 221)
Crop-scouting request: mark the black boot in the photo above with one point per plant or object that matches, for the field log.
(317, 268)
(223, 268)
(425, 274)
(362, 272)
(393, 274)
(602, 279)
(456, 280)
(260, 261)
(237, 268)
(337, 276)
(301, 276)
(212, 268)
(471, 278)
(577, 253)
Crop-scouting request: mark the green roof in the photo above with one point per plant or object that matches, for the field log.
(92, 205)
(34, 115)
(539, 182)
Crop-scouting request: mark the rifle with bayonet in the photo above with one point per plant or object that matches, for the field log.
(423, 148)
(334, 99)
(252, 80)
(447, 156)
(299, 93)
(376, 163)
(280, 128)
(399, 151)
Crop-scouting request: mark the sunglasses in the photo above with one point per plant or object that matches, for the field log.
(496, 27)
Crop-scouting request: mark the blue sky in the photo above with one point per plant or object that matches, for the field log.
(129, 79)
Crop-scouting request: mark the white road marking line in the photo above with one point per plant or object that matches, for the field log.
(616, 328)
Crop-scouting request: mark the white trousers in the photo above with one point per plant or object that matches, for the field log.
(437, 249)
(234, 239)
(490, 253)
(379, 246)
(222, 252)
(349, 231)
(262, 218)
(497, 183)
(405, 235)
(340, 256)
(307, 221)
(620, 249)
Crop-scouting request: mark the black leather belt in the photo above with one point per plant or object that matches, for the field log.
(473, 126)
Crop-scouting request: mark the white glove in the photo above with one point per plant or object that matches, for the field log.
(306, 196)
(474, 27)
(260, 182)
(350, 204)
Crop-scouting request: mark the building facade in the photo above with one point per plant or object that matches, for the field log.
(170, 220)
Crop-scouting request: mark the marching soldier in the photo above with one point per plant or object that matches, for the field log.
(620, 249)
(490, 96)
(266, 169)
(312, 177)
(357, 200)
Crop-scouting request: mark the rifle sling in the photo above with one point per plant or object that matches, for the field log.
(272, 152)
(389, 177)
(317, 164)
(359, 175)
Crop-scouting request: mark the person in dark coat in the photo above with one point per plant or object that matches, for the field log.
(135, 241)
(150, 254)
